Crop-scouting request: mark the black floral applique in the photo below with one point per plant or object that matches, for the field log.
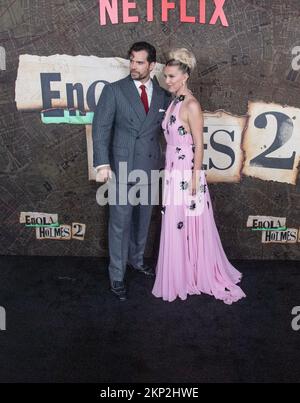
(178, 149)
(179, 99)
(184, 185)
(202, 188)
(181, 157)
(172, 119)
(182, 131)
(192, 205)
(167, 128)
(180, 225)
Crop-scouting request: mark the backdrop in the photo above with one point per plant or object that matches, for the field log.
(56, 57)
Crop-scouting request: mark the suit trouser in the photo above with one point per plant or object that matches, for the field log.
(128, 227)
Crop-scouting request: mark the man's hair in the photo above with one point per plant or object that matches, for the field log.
(138, 46)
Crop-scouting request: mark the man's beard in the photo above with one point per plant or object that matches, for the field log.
(138, 76)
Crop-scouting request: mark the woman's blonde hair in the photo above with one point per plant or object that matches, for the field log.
(182, 58)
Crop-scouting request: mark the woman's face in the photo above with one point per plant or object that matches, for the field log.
(174, 78)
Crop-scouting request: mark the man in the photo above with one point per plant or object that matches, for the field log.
(127, 129)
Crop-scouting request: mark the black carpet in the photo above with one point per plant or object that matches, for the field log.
(63, 325)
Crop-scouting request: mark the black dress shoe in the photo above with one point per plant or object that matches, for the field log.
(119, 290)
(148, 271)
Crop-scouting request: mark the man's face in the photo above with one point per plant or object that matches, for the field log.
(140, 68)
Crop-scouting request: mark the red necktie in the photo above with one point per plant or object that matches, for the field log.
(144, 98)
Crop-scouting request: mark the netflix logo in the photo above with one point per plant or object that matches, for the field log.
(109, 11)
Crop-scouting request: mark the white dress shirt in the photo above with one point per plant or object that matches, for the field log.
(149, 91)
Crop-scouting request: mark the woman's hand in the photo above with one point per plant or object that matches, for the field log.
(194, 183)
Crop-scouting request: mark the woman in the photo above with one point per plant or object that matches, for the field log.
(191, 257)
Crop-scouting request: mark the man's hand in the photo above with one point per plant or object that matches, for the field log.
(103, 174)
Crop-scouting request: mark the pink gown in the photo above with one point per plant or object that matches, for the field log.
(191, 257)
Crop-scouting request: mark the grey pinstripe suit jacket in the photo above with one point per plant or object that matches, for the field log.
(122, 132)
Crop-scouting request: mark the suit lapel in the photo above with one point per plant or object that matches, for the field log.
(155, 104)
(131, 93)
